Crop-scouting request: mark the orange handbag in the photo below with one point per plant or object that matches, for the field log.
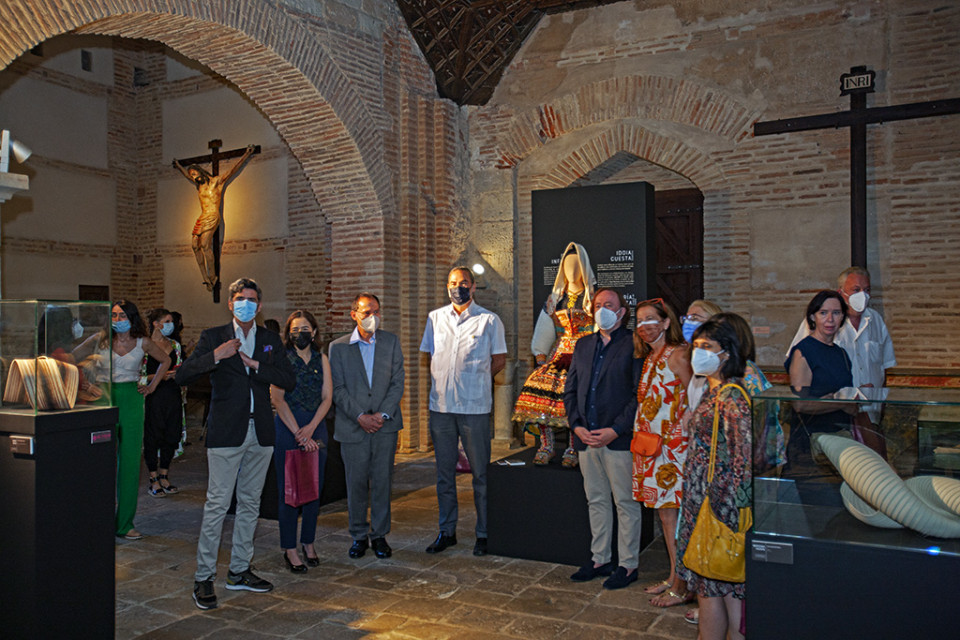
(645, 443)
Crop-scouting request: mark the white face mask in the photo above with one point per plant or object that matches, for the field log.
(370, 324)
(705, 363)
(858, 301)
(605, 318)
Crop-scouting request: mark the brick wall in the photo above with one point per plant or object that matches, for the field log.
(680, 87)
(374, 162)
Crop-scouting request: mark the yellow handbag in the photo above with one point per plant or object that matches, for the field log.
(715, 550)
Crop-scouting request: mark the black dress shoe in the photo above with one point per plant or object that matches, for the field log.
(359, 547)
(312, 562)
(480, 549)
(442, 542)
(381, 548)
(588, 572)
(294, 568)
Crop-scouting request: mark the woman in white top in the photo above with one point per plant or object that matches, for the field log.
(129, 344)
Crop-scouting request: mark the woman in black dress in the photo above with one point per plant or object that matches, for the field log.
(163, 413)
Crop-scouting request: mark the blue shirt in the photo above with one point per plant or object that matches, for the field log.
(366, 352)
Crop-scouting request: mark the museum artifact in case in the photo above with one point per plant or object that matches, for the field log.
(54, 355)
(858, 533)
(57, 469)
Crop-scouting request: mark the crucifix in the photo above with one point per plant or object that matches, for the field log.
(857, 84)
(207, 239)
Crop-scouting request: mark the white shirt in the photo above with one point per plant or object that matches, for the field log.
(869, 347)
(366, 352)
(461, 346)
(247, 344)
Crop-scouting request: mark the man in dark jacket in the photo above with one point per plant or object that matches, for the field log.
(601, 401)
(242, 360)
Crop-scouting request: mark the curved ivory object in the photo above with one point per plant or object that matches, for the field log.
(863, 512)
(873, 480)
(937, 491)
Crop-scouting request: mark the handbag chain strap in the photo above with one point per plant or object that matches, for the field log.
(716, 423)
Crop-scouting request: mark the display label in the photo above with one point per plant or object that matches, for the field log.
(777, 552)
(101, 436)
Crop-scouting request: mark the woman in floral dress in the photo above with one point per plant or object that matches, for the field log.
(718, 355)
(661, 403)
(565, 318)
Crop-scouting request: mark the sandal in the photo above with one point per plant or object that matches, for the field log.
(542, 457)
(155, 489)
(570, 458)
(167, 488)
(672, 599)
(658, 588)
(692, 615)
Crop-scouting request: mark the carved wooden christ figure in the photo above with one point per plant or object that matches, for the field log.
(210, 187)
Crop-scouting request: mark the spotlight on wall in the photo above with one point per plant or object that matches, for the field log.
(478, 269)
(7, 145)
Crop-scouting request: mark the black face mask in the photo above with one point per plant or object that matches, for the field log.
(459, 295)
(302, 339)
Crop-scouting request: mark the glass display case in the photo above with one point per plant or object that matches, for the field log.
(54, 356)
(854, 496)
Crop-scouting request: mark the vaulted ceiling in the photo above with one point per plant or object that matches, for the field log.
(468, 43)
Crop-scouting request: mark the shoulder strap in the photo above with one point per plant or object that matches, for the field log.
(716, 424)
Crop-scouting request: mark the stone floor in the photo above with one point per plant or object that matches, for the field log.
(411, 595)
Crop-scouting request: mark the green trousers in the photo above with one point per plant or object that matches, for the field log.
(129, 447)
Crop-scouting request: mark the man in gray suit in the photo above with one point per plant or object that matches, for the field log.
(367, 371)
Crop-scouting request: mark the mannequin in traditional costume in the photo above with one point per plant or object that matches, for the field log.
(566, 316)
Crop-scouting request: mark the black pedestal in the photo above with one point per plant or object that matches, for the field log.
(540, 513)
(57, 524)
(831, 589)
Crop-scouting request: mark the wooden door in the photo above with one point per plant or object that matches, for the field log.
(679, 246)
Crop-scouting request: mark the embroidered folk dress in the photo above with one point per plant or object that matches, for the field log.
(661, 403)
(732, 477)
(540, 402)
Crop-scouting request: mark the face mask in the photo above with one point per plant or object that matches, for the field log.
(77, 330)
(605, 318)
(244, 310)
(166, 329)
(302, 339)
(371, 323)
(858, 301)
(121, 326)
(689, 326)
(705, 363)
(459, 295)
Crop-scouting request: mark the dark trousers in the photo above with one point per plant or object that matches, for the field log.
(474, 431)
(163, 424)
(287, 515)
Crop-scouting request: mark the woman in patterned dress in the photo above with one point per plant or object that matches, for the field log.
(566, 314)
(661, 403)
(718, 355)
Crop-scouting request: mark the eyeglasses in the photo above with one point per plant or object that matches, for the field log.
(692, 317)
(650, 302)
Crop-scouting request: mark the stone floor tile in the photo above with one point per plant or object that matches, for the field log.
(546, 603)
(429, 609)
(188, 628)
(535, 627)
(617, 617)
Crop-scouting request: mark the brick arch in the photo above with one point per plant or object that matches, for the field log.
(302, 92)
(670, 153)
(712, 111)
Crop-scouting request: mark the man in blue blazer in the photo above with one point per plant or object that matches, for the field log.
(242, 360)
(367, 370)
(601, 402)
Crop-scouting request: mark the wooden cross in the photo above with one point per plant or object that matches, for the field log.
(214, 158)
(857, 84)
